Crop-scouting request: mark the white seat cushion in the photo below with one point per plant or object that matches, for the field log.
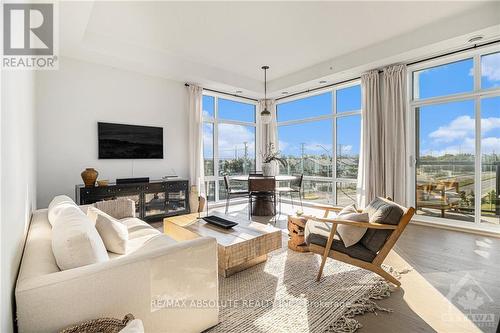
(75, 240)
(350, 235)
(114, 234)
(142, 237)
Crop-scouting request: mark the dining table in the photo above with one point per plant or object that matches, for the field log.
(263, 207)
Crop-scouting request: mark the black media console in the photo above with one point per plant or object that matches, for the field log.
(154, 200)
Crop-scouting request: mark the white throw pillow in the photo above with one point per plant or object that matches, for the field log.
(348, 210)
(57, 205)
(349, 234)
(134, 326)
(75, 240)
(114, 234)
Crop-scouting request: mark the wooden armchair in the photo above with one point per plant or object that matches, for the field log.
(387, 222)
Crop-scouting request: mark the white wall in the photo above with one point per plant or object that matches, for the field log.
(73, 99)
(17, 181)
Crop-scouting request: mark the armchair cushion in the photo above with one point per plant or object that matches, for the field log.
(380, 211)
(318, 232)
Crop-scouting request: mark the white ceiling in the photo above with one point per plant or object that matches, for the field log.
(224, 44)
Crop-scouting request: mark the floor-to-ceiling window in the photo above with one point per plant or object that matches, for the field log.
(229, 141)
(455, 103)
(319, 136)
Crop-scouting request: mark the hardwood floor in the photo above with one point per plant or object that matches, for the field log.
(453, 285)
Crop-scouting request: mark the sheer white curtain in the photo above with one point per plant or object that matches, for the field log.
(395, 141)
(196, 172)
(371, 155)
(268, 131)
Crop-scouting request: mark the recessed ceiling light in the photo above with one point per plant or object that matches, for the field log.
(284, 93)
(475, 39)
(322, 82)
(239, 92)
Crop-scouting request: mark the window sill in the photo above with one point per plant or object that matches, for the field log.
(471, 227)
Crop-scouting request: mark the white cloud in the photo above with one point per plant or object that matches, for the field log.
(346, 149)
(464, 147)
(232, 140)
(491, 67)
(490, 145)
(312, 148)
(459, 128)
(282, 145)
(315, 147)
(463, 127)
(206, 114)
(489, 124)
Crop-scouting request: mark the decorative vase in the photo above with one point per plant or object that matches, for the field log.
(89, 176)
(201, 206)
(194, 199)
(269, 169)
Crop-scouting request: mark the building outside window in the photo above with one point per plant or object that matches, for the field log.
(319, 136)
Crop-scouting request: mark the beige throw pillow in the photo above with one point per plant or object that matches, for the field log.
(114, 234)
(349, 234)
(75, 240)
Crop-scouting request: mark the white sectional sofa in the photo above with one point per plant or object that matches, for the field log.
(155, 267)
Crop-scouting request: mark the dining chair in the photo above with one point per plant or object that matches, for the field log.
(295, 186)
(232, 192)
(262, 187)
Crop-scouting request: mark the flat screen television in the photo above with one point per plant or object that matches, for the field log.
(119, 141)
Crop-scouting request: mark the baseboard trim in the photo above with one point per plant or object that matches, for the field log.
(483, 230)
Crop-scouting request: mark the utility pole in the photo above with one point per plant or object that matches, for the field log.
(302, 150)
(245, 160)
(339, 157)
(329, 170)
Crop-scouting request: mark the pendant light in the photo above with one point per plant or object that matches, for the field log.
(265, 115)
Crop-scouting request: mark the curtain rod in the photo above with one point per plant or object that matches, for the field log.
(318, 88)
(468, 48)
(475, 46)
(225, 93)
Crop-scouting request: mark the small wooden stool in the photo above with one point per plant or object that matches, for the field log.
(296, 226)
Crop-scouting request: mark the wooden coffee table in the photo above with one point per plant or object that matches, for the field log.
(239, 247)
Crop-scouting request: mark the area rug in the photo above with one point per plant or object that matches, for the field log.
(282, 295)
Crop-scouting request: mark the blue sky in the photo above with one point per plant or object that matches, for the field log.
(444, 128)
(234, 140)
(317, 136)
(450, 128)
